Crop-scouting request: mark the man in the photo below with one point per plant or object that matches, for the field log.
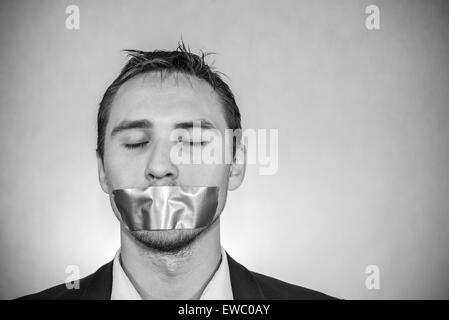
(169, 211)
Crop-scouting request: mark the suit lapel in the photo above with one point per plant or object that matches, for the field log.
(244, 286)
(100, 286)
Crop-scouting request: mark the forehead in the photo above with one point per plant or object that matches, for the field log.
(165, 101)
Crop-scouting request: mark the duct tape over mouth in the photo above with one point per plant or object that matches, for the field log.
(166, 207)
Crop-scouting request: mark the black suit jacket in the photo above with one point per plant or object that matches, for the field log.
(246, 285)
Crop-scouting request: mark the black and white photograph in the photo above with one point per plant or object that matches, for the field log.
(224, 150)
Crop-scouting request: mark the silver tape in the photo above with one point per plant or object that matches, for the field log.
(166, 207)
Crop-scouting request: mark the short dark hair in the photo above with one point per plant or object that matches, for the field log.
(179, 61)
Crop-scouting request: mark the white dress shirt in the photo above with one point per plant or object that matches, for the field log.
(218, 288)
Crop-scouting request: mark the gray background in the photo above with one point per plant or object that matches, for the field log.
(363, 127)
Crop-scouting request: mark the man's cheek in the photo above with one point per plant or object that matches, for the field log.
(203, 175)
(126, 174)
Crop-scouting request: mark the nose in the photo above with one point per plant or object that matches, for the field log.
(160, 170)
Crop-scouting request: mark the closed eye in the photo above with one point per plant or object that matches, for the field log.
(192, 143)
(197, 143)
(135, 145)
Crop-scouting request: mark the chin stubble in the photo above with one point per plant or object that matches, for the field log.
(168, 242)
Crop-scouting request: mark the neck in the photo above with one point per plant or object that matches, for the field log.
(182, 275)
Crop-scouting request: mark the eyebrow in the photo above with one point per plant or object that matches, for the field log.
(145, 124)
(204, 124)
(134, 124)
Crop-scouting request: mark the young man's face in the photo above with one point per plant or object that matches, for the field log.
(139, 156)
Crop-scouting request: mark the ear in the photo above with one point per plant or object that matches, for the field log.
(102, 175)
(238, 168)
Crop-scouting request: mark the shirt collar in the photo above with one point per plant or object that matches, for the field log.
(218, 288)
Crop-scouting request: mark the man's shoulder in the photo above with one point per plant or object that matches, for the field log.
(59, 292)
(275, 289)
(250, 285)
(94, 286)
